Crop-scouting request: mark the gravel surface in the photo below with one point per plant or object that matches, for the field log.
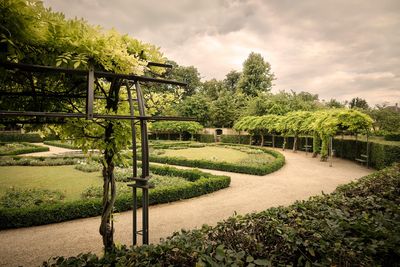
(300, 178)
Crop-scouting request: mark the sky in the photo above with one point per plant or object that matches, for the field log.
(334, 48)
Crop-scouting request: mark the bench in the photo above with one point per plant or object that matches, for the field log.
(307, 147)
(268, 143)
(363, 159)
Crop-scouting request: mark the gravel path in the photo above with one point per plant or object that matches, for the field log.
(301, 177)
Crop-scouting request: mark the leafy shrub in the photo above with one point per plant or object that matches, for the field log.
(21, 198)
(88, 166)
(38, 161)
(256, 169)
(97, 191)
(357, 225)
(8, 149)
(392, 137)
(201, 183)
(205, 138)
(27, 137)
(235, 139)
(59, 143)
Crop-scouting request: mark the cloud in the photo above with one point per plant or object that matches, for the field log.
(336, 48)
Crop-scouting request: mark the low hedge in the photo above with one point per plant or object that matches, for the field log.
(225, 166)
(28, 148)
(235, 139)
(380, 155)
(357, 225)
(61, 144)
(392, 137)
(26, 137)
(202, 183)
(39, 161)
(205, 138)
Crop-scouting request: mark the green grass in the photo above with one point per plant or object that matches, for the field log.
(208, 153)
(63, 178)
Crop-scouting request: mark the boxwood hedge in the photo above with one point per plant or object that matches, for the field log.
(226, 166)
(202, 183)
(357, 225)
(24, 148)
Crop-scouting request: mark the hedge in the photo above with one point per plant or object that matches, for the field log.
(205, 138)
(357, 225)
(235, 139)
(28, 148)
(225, 166)
(27, 137)
(380, 155)
(392, 137)
(202, 183)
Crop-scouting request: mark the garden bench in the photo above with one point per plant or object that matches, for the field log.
(268, 143)
(363, 159)
(307, 148)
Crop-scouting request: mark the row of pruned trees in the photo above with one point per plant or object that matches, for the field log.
(321, 125)
(176, 127)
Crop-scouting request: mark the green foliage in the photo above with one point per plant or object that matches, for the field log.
(88, 166)
(8, 149)
(356, 225)
(231, 80)
(25, 198)
(225, 110)
(359, 103)
(200, 183)
(206, 138)
(245, 167)
(38, 161)
(386, 119)
(197, 106)
(392, 137)
(256, 76)
(28, 137)
(235, 139)
(179, 127)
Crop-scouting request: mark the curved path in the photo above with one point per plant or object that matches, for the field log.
(301, 177)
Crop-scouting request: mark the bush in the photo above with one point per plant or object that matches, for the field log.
(235, 139)
(392, 137)
(59, 143)
(225, 166)
(21, 198)
(38, 161)
(202, 183)
(380, 155)
(357, 225)
(205, 138)
(9, 149)
(90, 166)
(28, 137)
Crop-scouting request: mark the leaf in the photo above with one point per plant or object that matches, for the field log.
(58, 63)
(262, 262)
(76, 64)
(249, 259)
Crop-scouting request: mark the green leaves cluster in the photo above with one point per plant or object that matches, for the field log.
(180, 127)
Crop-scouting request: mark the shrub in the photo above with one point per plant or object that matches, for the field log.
(27, 137)
(235, 139)
(392, 137)
(21, 198)
(205, 138)
(38, 161)
(9, 149)
(90, 166)
(357, 225)
(202, 183)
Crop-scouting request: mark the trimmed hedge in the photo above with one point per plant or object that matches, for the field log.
(205, 138)
(380, 155)
(39, 161)
(27, 137)
(202, 183)
(357, 225)
(225, 166)
(235, 139)
(28, 148)
(392, 137)
(58, 143)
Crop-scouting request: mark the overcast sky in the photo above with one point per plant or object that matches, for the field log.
(337, 49)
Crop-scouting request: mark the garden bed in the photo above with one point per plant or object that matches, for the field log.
(9, 149)
(50, 207)
(231, 158)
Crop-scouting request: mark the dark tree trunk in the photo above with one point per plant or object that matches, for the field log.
(273, 140)
(295, 143)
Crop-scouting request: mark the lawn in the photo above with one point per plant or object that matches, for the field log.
(208, 153)
(63, 178)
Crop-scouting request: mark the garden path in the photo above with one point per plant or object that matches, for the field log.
(300, 178)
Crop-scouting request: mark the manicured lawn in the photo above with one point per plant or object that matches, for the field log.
(208, 153)
(63, 178)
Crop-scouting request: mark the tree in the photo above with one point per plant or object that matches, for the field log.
(179, 127)
(223, 110)
(231, 80)
(358, 103)
(212, 88)
(385, 119)
(256, 76)
(333, 103)
(197, 106)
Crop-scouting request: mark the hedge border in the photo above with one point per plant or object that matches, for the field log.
(225, 166)
(202, 183)
(57, 143)
(26, 137)
(29, 149)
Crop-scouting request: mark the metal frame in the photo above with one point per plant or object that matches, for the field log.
(130, 81)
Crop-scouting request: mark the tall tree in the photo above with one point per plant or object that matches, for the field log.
(358, 102)
(256, 76)
(231, 80)
(223, 110)
(197, 106)
(212, 88)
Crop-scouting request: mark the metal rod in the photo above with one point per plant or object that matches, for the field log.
(134, 146)
(156, 64)
(90, 94)
(134, 216)
(331, 151)
(367, 152)
(145, 216)
(39, 68)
